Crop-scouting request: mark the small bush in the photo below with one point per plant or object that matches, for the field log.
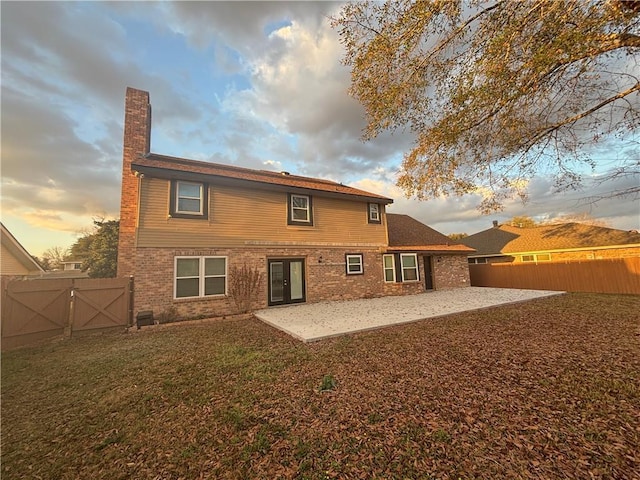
(168, 316)
(244, 284)
(328, 383)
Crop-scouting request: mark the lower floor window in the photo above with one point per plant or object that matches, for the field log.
(477, 260)
(200, 276)
(409, 262)
(540, 257)
(401, 267)
(354, 264)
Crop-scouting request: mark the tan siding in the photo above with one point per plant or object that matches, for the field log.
(10, 265)
(252, 217)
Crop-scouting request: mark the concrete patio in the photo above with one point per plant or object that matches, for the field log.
(317, 321)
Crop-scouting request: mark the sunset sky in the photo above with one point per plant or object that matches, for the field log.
(258, 85)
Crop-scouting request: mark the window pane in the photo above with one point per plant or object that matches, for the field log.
(355, 268)
(299, 202)
(408, 261)
(410, 274)
(189, 190)
(188, 267)
(299, 214)
(388, 275)
(187, 287)
(373, 211)
(295, 275)
(214, 286)
(388, 261)
(214, 266)
(354, 260)
(188, 205)
(276, 272)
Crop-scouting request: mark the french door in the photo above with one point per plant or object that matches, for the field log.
(286, 281)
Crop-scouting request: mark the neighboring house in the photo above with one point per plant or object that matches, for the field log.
(566, 241)
(72, 265)
(185, 224)
(15, 260)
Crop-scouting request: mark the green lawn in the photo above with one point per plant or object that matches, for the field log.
(544, 389)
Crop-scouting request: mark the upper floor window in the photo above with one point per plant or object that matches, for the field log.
(374, 213)
(188, 199)
(300, 210)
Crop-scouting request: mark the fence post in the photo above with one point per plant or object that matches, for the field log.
(72, 300)
(131, 287)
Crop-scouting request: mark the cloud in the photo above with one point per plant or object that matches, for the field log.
(65, 71)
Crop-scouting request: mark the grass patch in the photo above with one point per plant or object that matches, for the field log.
(542, 389)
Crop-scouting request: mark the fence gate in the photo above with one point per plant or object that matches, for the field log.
(100, 303)
(34, 310)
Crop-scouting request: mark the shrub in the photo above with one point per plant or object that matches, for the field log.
(244, 284)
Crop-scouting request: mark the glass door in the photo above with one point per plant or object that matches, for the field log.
(286, 281)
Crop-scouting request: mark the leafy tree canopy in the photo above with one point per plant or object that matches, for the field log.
(457, 236)
(99, 249)
(523, 222)
(496, 91)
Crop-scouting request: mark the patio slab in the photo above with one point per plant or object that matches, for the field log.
(317, 321)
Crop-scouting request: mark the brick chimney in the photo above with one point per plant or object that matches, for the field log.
(137, 141)
(495, 224)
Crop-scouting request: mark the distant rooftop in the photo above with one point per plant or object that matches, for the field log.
(507, 239)
(407, 233)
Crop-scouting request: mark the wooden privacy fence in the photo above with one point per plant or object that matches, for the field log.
(612, 275)
(34, 310)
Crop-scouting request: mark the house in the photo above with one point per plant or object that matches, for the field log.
(566, 241)
(15, 260)
(185, 225)
(72, 265)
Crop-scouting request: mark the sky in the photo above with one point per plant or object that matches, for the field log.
(258, 85)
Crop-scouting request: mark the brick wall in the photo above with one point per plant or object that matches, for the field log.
(450, 271)
(136, 142)
(325, 277)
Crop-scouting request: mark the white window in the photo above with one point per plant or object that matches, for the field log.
(300, 209)
(389, 266)
(409, 262)
(540, 257)
(354, 264)
(477, 260)
(374, 213)
(200, 276)
(189, 198)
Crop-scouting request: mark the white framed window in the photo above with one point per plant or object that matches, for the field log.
(200, 277)
(536, 257)
(477, 260)
(389, 267)
(374, 213)
(354, 264)
(300, 212)
(409, 264)
(189, 198)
